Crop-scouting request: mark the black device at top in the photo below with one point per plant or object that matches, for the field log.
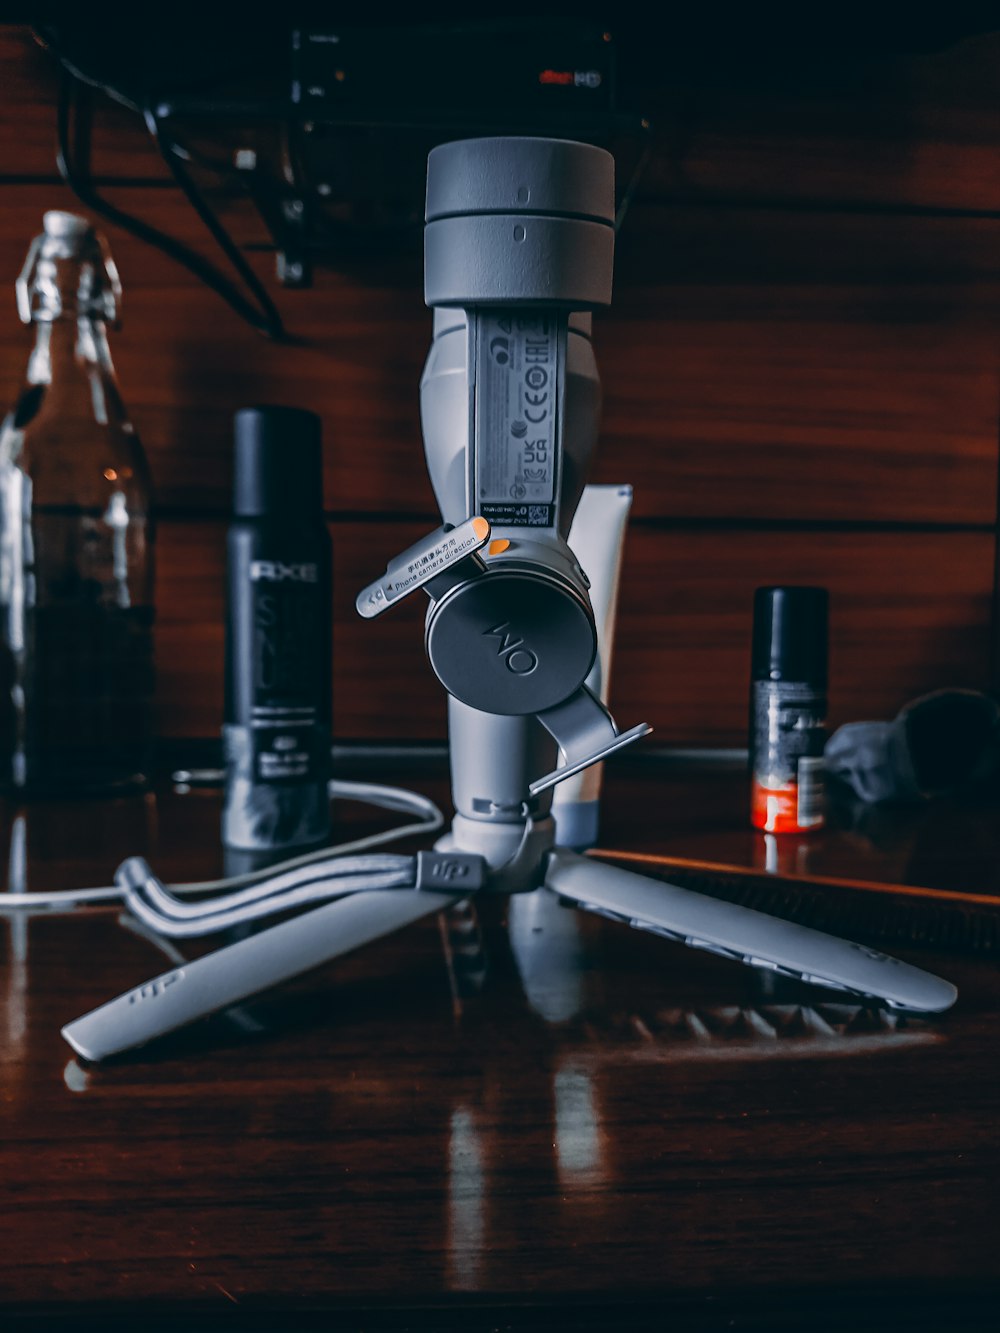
(790, 634)
(278, 467)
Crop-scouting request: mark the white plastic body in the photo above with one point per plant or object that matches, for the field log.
(597, 538)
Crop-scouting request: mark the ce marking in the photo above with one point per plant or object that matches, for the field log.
(535, 400)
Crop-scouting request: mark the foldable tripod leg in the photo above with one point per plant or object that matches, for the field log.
(228, 975)
(743, 934)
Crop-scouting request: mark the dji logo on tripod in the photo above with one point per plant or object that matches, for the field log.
(449, 870)
(518, 659)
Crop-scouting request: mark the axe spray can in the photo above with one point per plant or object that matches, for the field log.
(277, 729)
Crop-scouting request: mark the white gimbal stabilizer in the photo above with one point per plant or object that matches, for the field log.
(519, 250)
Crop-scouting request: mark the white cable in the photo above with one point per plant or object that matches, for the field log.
(387, 798)
(276, 885)
(159, 908)
(167, 924)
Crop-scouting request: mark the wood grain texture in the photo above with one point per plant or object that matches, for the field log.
(910, 612)
(684, 1143)
(782, 366)
(844, 127)
(28, 93)
(754, 365)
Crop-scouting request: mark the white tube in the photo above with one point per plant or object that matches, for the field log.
(596, 538)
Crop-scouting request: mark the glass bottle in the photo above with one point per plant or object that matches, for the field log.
(76, 539)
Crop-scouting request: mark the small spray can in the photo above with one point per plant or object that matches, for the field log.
(788, 709)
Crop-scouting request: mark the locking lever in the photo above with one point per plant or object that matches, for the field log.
(439, 553)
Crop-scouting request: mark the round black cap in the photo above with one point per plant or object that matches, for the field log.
(278, 465)
(790, 633)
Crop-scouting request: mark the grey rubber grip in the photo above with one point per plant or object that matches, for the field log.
(507, 259)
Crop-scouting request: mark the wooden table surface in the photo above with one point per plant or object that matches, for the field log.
(596, 1128)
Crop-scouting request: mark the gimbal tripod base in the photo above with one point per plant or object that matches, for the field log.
(229, 975)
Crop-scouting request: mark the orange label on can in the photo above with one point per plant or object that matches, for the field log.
(775, 809)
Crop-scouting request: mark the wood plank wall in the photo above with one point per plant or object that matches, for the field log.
(801, 382)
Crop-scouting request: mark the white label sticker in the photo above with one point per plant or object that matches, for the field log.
(519, 357)
(811, 806)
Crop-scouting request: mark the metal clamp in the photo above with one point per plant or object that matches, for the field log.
(586, 733)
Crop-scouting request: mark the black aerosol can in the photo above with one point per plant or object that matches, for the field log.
(788, 708)
(278, 636)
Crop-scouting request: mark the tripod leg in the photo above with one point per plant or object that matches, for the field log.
(743, 934)
(228, 975)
